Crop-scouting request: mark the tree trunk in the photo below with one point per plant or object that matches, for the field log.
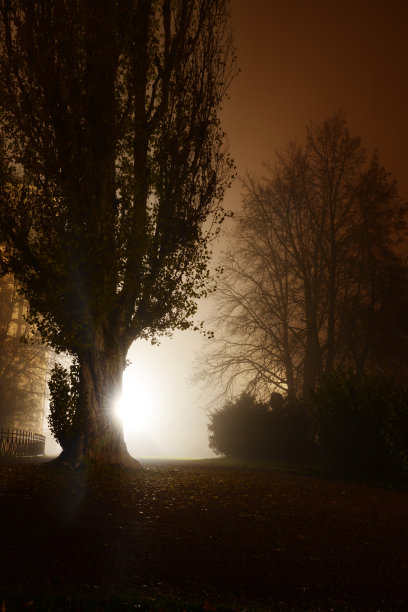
(332, 299)
(290, 378)
(100, 439)
(312, 361)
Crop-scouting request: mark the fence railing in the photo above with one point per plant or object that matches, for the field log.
(20, 443)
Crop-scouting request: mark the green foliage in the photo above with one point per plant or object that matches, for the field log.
(247, 428)
(64, 420)
(362, 424)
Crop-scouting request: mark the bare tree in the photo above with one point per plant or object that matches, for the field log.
(309, 267)
(256, 338)
(112, 110)
(23, 365)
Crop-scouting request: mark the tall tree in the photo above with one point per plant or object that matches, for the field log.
(111, 111)
(308, 273)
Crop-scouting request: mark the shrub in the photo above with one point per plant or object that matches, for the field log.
(361, 423)
(291, 432)
(234, 427)
(396, 430)
(63, 419)
(247, 428)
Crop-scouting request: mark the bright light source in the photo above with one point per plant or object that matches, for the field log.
(140, 403)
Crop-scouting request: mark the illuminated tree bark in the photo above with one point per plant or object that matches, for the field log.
(112, 111)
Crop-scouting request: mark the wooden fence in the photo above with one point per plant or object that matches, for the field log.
(19, 443)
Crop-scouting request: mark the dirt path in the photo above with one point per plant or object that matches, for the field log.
(226, 536)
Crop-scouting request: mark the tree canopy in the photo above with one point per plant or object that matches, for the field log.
(110, 120)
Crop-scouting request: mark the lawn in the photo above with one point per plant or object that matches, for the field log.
(199, 536)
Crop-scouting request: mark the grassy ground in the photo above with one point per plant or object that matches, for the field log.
(208, 535)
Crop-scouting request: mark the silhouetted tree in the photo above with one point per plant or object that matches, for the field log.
(310, 268)
(111, 110)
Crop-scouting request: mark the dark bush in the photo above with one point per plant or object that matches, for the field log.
(233, 427)
(362, 424)
(63, 418)
(247, 428)
(291, 431)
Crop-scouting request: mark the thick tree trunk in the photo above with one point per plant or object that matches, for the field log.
(100, 440)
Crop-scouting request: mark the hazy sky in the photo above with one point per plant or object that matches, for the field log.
(301, 60)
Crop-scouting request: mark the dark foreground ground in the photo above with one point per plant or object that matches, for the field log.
(192, 536)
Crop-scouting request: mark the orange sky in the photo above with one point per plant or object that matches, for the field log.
(303, 59)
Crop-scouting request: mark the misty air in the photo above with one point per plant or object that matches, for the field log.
(203, 306)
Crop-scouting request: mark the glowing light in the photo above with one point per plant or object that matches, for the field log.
(140, 402)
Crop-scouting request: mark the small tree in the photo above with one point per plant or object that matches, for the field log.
(112, 111)
(64, 418)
